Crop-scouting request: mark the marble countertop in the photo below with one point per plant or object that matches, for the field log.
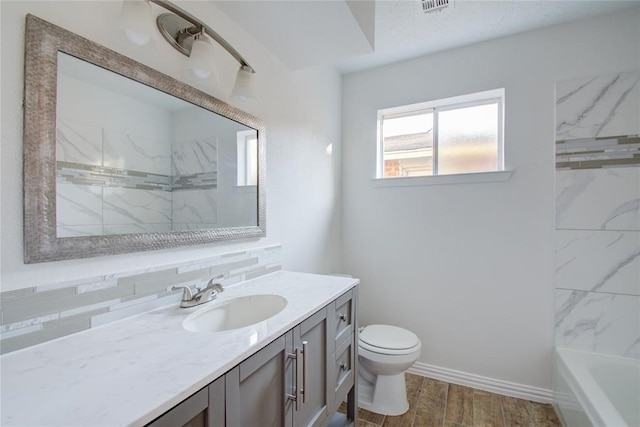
(131, 371)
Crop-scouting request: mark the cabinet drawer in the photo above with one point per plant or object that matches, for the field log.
(344, 316)
(344, 368)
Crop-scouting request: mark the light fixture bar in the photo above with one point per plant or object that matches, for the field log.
(208, 30)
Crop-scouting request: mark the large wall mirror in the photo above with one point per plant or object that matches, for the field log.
(120, 158)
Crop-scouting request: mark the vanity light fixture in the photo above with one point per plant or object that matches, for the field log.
(189, 36)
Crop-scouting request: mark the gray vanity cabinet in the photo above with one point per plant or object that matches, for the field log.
(342, 318)
(299, 379)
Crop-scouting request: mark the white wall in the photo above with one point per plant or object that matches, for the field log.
(470, 267)
(301, 110)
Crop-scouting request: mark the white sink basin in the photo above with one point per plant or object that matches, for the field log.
(234, 313)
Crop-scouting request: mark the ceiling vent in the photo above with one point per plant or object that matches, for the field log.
(431, 5)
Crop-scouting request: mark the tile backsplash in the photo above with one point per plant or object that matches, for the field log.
(47, 311)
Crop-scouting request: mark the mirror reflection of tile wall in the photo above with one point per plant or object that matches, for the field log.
(121, 167)
(194, 184)
(153, 187)
(597, 214)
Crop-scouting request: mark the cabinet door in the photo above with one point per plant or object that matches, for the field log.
(196, 410)
(191, 412)
(256, 389)
(311, 337)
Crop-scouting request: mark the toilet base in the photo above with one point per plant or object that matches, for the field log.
(388, 396)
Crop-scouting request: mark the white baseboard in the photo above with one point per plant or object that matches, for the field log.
(506, 388)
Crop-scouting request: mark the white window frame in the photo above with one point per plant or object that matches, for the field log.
(436, 106)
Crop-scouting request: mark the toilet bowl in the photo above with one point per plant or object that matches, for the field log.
(384, 353)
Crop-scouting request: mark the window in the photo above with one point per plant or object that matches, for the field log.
(247, 158)
(450, 136)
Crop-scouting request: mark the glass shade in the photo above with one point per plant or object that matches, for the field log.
(135, 24)
(200, 65)
(244, 89)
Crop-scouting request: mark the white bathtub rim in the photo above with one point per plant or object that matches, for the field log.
(596, 404)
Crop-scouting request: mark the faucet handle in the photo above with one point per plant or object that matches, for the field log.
(187, 293)
(216, 286)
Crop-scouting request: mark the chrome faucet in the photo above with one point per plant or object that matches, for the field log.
(206, 294)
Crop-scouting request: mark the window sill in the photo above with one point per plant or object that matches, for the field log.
(465, 178)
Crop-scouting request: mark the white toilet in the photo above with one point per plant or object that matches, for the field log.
(385, 352)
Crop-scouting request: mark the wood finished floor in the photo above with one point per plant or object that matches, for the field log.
(434, 403)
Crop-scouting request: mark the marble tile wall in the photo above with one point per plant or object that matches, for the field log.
(597, 260)
(598, 214)
(598, 199)
(598, 321)
(600, 106)
(45, 311)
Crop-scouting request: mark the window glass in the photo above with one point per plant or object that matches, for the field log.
(468, 139)
(408, 145)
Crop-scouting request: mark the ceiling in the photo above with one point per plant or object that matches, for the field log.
(353, 35)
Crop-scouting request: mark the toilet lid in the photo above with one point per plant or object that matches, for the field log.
(389, 337)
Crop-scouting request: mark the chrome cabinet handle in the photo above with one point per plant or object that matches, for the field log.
(296, 397)
(343, 366)
(305, 369)
(343, 316)
(299, 373)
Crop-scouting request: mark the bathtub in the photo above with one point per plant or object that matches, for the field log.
(593, 389)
